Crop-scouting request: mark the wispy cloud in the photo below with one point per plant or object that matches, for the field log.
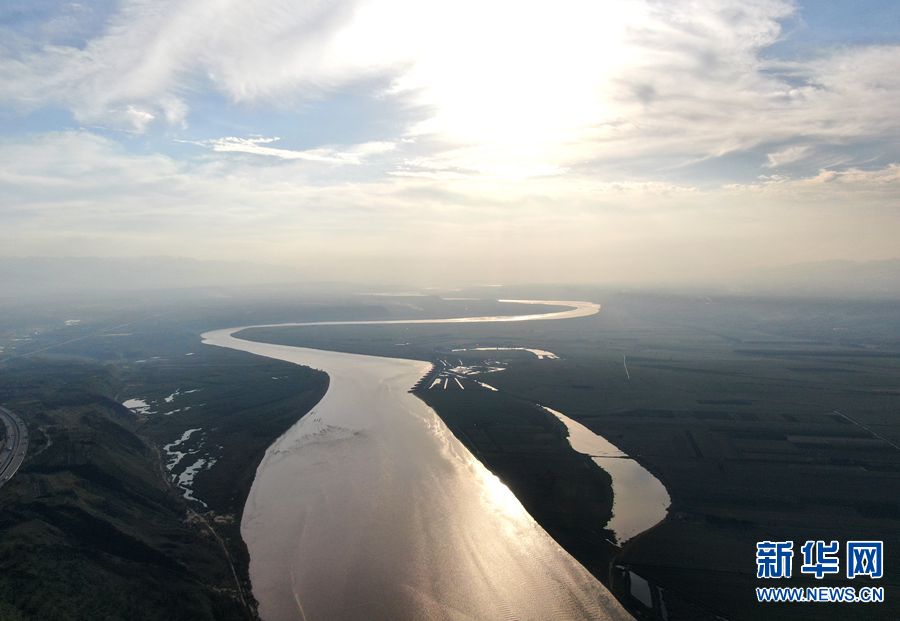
(354, 154)
(61, 189)
(787, 155)
(583, 123)
(510, 86)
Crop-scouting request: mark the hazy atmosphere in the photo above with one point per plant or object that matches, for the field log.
(450, 142)
(406, 310)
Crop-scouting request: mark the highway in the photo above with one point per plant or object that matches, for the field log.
(13, 452)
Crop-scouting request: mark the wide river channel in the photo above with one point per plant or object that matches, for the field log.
(370, 508)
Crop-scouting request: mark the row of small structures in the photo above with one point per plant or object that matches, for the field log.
(428, 378)
(443, 376)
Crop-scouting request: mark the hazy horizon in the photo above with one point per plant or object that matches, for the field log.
(60, 278)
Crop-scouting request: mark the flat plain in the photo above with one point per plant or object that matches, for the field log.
(765, 418)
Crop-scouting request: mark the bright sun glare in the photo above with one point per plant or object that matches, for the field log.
(517, 91)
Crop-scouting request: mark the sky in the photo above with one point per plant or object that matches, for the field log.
(464, 141)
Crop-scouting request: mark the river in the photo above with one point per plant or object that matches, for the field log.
(639, 499)
(370, 508)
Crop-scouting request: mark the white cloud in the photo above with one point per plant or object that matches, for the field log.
(509, 89)
(532, 126)
(354, 154)
(78, 193)
(833, 186)
(787, 155)
(138, 118)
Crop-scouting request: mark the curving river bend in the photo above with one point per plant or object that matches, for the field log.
(370, 508)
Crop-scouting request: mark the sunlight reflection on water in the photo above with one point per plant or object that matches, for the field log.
(369, 507)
